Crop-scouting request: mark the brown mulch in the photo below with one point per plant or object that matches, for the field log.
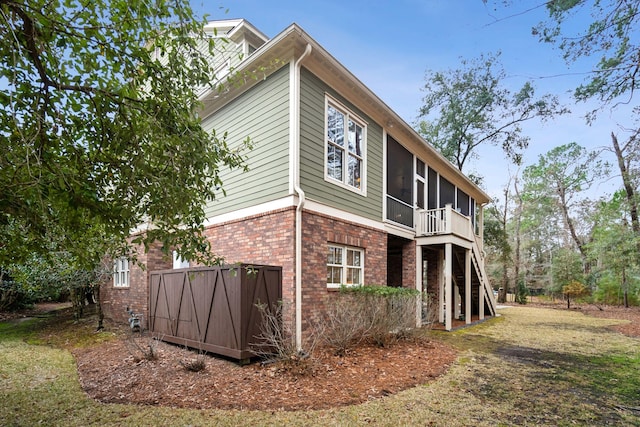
(115, 372)
(632, 314)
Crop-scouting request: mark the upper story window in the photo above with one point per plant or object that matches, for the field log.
(345, 147)
(344, 266)
(121, 273)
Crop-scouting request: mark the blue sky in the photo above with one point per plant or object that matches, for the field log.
(389, 46)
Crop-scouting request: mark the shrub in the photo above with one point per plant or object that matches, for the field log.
(195, 364)
(574, 290)
(12, 296)
(522, 292)
(610, 291)
(141, 348)
(276, 342)
(379, 314)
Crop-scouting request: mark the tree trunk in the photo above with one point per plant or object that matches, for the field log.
(99, 308)
(502, 294)
(628, 188)
(625, 296)
(518, 219)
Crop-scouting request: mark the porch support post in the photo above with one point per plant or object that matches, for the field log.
(441, 286)
(448, 301)
(457, 306)
(467, 286)
(419, 284)
(481, 302)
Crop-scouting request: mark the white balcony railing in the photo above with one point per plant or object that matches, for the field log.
(445, 220)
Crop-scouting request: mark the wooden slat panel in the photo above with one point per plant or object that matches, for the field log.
(212, 309)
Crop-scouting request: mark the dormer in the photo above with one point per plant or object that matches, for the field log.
(239, 31)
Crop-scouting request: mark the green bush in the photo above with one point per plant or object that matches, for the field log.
(12, 296)
(522, 292)
(609, 291)
(54, 278)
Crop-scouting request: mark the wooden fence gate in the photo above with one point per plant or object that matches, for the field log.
(212, 308)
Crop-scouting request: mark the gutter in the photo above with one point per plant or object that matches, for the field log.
(294, 114)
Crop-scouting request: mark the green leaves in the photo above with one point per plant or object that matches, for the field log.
(469, 106)
(99, 132)
(610, 40)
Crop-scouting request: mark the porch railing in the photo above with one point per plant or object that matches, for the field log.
(445, 220)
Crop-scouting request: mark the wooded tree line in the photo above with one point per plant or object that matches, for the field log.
(550, 232)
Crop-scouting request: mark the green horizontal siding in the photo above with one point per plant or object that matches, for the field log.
(262, 113)
(312, 128)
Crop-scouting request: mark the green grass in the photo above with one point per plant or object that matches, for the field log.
(616, 375)
(529, 367)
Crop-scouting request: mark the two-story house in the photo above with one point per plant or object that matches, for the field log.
(341, 190)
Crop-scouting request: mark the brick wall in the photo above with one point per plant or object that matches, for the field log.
(409, 264)
(433, 266)
(115, 300)
(318, 232)
(267, 239)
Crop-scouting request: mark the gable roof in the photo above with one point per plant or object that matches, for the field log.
(289, 45)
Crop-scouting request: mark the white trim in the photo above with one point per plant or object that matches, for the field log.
(399, 230)
(313, 206)
(291, 201)
(385, 135)
(294, 129)
(121, 273)
(262, 208)
(179, 262)
(329, 100)
(344, 266)
(419, 285)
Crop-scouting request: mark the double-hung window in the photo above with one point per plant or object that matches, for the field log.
(121, 273)
(344, 266)
(345, 147)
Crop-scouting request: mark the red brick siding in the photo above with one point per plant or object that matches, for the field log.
(433, 271)
(115, 300)
(409, 265)
(267, 239)
(318, 232)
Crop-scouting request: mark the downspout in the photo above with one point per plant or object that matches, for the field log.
(295, 139)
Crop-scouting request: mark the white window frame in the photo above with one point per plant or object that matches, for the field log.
(344, 266)
(349, 116)
(423, 180)
(121, 273)
(179, 262)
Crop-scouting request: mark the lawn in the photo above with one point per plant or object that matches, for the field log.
(531, 366)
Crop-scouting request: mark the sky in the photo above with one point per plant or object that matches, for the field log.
(389, 45)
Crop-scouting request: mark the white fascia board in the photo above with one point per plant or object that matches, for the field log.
(262, 208)
(313, 206)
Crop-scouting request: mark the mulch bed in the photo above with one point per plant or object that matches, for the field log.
(116, 371)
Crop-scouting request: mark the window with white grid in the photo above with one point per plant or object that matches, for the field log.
(345, 266)
(121, 273)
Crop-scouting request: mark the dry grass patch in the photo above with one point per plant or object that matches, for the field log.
(531, 366)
